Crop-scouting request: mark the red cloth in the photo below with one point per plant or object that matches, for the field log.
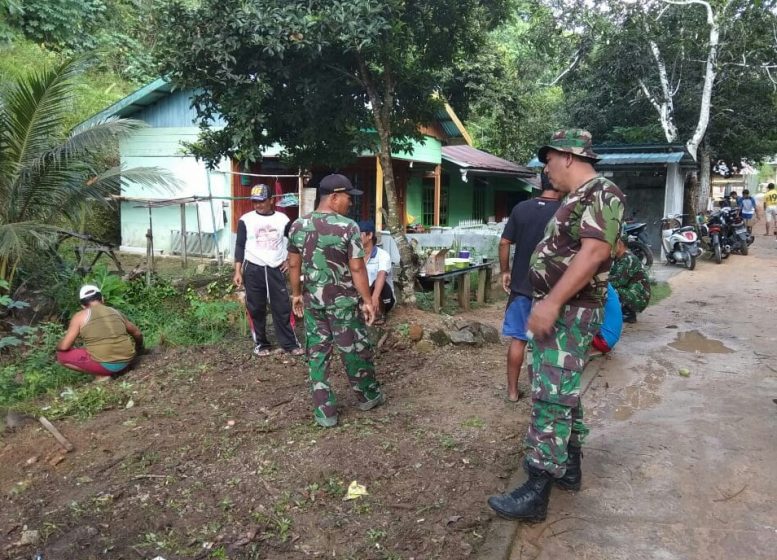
(81, 359)
(278, 195)
(600, 344)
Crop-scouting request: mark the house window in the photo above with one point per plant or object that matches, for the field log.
(479, 199)
(428, 201)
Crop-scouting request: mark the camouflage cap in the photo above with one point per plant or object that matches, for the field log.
(571, 140)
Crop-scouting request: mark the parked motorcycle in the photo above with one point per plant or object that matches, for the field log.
(710, 232)
(637, 242)
(680, 243)
(737, 235)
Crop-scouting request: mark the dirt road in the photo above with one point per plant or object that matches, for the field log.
(677, 467)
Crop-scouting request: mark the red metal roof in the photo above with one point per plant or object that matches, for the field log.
(468, 157)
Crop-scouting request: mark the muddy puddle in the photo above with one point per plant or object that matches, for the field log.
(694, 341)
(640, 396)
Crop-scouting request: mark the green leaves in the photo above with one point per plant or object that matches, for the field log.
(314, 75)
(45, 177)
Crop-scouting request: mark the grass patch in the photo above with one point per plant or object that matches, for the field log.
(659, 291)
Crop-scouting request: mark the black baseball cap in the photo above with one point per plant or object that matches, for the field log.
(336, 183)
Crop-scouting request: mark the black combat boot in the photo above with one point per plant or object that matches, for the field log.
(528, 502)
(573, 478)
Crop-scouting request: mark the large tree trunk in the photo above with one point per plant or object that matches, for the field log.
(705, 166)
(381, 112)
(710, 72)
(408, 259)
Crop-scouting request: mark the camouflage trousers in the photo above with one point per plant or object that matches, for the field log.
(557, 364)
(635, 296)
(342, 328)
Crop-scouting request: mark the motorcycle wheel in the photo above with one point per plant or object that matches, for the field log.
(690, 261)
(718, 253)
(642, 252)
(743, 250)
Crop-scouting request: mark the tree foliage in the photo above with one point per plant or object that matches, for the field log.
(324, 79)
(514, 104)
(609, 91)
(119, 35)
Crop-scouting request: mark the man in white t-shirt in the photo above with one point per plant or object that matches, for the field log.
(260, 265)
(379, 272)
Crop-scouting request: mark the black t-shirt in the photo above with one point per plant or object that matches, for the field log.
(526, 228)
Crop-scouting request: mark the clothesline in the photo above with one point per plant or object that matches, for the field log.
(297, 176)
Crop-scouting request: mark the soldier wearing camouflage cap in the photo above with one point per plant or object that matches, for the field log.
(568, 273)
(325, 249)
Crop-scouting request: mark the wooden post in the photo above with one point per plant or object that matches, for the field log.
(199, 228)
(437, 193)
(439, 290)
(183, 234)
(378, 195)
(300, 186)
(464, 291)
(149, 248)
(482, 273)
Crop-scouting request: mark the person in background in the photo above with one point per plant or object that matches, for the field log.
(325, 249)
(261, 265)
(110, 340)
(379, 272)
(770, 208)
(524, 229)
(631, 281)
(747, 207)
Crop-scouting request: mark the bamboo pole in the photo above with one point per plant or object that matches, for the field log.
(183, 235)
(378, 195)
(437, 193)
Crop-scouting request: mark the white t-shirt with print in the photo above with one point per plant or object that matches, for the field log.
(380, 260)
(265, 243)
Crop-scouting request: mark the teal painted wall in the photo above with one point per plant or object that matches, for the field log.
(413, 199)
(430, 151)
(461, 195)
(161, 148)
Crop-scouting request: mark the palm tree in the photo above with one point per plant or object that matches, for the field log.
(46, 176)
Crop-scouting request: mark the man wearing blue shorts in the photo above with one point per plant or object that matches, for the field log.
(525, 228)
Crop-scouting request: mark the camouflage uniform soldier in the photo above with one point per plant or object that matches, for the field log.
(630, 280)
(568, 272)
(325, 249)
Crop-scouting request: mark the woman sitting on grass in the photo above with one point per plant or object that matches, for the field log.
(110, 341)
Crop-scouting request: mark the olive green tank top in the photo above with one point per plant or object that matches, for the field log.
(105, 335)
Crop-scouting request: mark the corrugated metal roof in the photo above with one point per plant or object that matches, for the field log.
(160, 88)
(447, 125)
(468, 157)
(134, 102)
(630, 158)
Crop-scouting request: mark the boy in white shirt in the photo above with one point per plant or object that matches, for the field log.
(379, 271)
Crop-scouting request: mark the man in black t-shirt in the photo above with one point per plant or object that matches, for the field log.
(525, 228)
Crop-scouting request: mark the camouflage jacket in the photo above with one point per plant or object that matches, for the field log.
(595, 210)
(326, 241)
(630, 280)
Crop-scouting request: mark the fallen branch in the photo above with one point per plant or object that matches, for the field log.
(731, 497)
(63, 441)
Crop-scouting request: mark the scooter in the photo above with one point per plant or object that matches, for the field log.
(710, 232)
(680, 243)
(637, 242)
